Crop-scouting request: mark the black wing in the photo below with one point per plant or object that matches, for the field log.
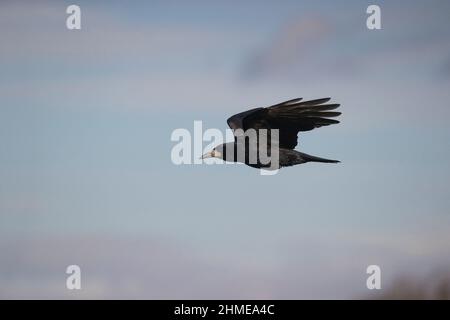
(289, 117)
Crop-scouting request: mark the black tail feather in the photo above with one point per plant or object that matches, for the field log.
(309, 158)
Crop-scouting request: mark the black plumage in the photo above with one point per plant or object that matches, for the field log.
(289, 117)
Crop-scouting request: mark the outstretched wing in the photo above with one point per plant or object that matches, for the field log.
(289, 117)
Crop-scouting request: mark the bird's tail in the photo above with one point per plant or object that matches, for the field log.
(309, 158)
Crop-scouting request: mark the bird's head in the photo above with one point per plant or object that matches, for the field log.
(217, 152)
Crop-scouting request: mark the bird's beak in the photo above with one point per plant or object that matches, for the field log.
(207, 155)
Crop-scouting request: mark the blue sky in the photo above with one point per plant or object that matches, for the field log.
(86, 176)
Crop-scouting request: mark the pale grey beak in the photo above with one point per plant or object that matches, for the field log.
(207, 155)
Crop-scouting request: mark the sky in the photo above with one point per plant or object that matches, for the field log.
(86, 176)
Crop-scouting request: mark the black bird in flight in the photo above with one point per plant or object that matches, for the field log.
(290, 118)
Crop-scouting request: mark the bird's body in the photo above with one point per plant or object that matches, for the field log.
(286, 157)
(266, 137)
